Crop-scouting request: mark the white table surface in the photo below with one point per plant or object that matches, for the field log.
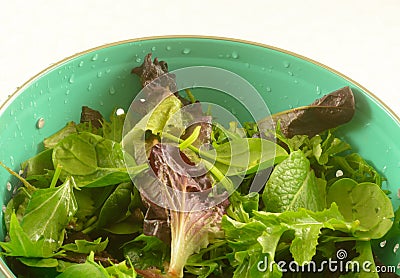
(359, 38)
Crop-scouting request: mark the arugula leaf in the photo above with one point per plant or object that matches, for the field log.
(364, 202)
(261, 236)
(364, 250)
(247, 251)
(292, 185)
(241, 207)
(48, 213)
(39, 262)
(85, 247)
(244, 155)
(121, 270)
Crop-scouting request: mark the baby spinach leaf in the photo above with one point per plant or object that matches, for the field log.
(146, 251)
(92, 160)
(39, 164)
(48, 213)
(364, 202)
(116, 206)
(292, 185)
(85, 202)
(52, 141)
(85, 247)
(88, 269)
(21, 245)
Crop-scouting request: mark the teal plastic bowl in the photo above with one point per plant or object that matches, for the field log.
(101, 78)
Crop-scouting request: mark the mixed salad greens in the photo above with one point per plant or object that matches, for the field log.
(77, 213)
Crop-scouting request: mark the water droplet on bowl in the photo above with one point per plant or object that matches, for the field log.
(89, 87)
(396, 247)
(106, 59)
(186, 51)
(9, 186)
(268, 89)
(290, 73)
(95, 57)
(112, 91)
(67, 92)
(153, 48)
(108, 70)
(81, 63)
(168, 47)
(65, 101)
(12, 160)
(286, 64)
(71, 79)
(247, 65)
(235, 55)
(138, 59)
(40, 123)
(99, 74)
(101, 103)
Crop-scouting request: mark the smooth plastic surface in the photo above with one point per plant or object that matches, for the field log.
(101, 79)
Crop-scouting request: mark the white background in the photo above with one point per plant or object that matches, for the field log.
(360, 39)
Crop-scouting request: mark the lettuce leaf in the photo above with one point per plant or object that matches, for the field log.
(293, 185)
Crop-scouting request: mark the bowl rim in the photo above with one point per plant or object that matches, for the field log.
(4, 269)
(19, 89)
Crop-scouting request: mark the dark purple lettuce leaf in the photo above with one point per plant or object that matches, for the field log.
(155, 73)
(193, 222)
(89, 115)
(328, 112)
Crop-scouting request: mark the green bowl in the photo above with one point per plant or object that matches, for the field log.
(101, 78)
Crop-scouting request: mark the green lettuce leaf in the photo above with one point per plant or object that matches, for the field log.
(293, 185)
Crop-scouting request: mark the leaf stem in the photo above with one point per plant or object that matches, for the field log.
(190, 95)
(29, 186)
(56, 175)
